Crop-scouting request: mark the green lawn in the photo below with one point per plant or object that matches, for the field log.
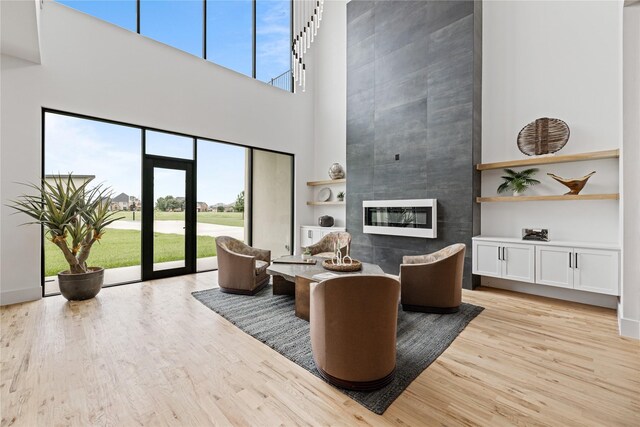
(121, 248)
(234, 219)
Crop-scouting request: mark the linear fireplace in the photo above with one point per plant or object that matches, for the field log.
(414, 217)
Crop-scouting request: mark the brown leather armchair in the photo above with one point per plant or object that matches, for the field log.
(353, 323)
(241, 268)
(433, 283)
(325, 247)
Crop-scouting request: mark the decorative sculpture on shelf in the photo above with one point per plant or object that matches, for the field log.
(336, 171)
(543, 136)
(575, 185)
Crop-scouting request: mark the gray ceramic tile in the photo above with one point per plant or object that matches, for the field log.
(356, 8)
(404, 60)
(361, 53)
(361, 27)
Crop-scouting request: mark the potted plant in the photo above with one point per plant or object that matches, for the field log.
(518, 182)
(306, 254)
(74, 217)
(341, 196)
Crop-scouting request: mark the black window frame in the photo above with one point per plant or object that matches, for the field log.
(254, 38)
(143, 130)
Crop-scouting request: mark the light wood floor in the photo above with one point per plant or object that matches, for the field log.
(150, 354)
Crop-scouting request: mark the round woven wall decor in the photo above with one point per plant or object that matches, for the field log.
(543, 136)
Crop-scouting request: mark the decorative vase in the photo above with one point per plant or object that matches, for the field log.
(336, 171)
(79, 287)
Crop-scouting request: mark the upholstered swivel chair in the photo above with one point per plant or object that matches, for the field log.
(433, 283)
(241, 268)
(353, 323)
(325, 247)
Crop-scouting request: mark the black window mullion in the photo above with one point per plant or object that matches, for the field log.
(204, 29)
(138, 16)
(253, 53)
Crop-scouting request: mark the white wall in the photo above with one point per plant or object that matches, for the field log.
(559, 59)
(330, 103)
(94, 68)
(629, 309)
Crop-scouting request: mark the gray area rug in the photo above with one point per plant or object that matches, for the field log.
(270, 319)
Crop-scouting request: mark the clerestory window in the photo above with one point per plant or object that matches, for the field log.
(252, 37)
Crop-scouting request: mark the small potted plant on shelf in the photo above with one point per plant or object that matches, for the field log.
(518, 182)
(74, 217)
(341, 196)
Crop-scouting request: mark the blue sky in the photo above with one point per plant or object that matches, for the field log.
(113, 154)
(179, 23)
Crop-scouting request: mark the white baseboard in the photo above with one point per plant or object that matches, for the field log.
(20, 295)
(590, 298)
(629, 328)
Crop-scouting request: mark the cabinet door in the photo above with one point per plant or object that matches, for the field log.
(554, 266)
(596, 270)
(318, 234)
(486, 260)
(306, 237)
(518, 262)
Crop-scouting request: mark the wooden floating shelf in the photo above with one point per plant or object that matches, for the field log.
(327, 182)
(613, 196)
(567, 158)
(324, 203)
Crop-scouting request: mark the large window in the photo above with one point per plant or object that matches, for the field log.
(120, 12)
(175, 194)
(252, 37)
(177, 23)
(222, 205)
(230, 34)
(102, 153)
(273, 39)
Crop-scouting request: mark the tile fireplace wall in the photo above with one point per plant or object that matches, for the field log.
(413, 89)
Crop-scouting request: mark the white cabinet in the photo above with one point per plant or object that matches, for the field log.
(554, 266)
(596, 271)
(506, 260)
(590, 267)
(312, 234)
(585, 269)
(486, 259)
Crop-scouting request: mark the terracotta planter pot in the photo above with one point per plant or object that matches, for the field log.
(79, 287)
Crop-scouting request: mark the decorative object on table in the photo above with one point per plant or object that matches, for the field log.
(537, 234)
(74, 217)
(543, 136)
(575, 185)
(306, 255)
(342, 262)
(292, 260)
(324, 194)
(336, 171)
(332, 264)
(326, 221)
(340, 196)
(518, 182)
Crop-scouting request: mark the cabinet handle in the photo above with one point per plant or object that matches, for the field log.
(570, 260)
(499, 254)
(576, 263)
(504, 254)
(309, 234)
